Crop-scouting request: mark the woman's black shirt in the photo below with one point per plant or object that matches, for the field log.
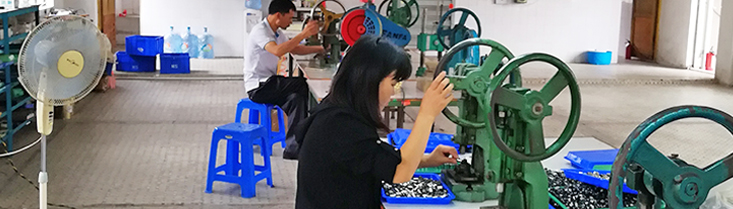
(342, 161)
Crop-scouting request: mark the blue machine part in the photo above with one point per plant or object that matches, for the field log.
(474, 54)
(373, 25)
(471, 54)
(399, 35)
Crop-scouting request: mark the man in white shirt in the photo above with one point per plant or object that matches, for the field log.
(266, 44)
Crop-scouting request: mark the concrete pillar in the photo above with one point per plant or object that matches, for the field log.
(676, 34)
(724, 66)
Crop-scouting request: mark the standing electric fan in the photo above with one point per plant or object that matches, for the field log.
(60, 62)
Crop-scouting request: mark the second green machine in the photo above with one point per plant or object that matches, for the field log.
(502, 121)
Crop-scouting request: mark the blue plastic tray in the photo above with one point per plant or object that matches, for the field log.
(132, 63)
(579, 174)
(421, 200)
(176, 63)
(399, 136)
(144, 45)
(592, 159)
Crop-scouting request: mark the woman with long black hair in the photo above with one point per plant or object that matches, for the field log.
(342, 161)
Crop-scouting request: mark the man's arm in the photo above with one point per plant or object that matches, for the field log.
(288, 46)
(281, 49)
(303, 50)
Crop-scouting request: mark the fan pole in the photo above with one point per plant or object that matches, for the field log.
(43, 176)
(44, 117)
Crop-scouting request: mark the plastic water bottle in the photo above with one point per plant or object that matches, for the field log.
(253, 4)
(173, 42)
(207, 45)
(191, 44)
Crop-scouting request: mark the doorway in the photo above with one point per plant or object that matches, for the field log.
(707, 29)
(644, 24)
(126, 19)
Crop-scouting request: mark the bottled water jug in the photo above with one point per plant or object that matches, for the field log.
(173, 42)
(207, 45)
(191, 43)
(253, 4)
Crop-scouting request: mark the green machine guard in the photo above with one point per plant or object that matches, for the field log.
(455, 34)
(666, 181)
(401, 12)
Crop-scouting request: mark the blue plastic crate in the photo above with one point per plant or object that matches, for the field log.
(399, 136)
(422, 200)
(175, 63)
(131, 63)
(144, 45)
(580, 175)
(592, 159)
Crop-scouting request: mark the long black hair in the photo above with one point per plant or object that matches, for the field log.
(366, 64)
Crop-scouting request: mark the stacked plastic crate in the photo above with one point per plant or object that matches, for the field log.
(141, 56)
(141, 53)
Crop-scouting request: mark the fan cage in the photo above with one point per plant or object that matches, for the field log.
(34, 89)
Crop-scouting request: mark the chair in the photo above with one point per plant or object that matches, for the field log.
(244, 136)
(258, 116)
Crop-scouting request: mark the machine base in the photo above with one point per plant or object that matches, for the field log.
(476, 192)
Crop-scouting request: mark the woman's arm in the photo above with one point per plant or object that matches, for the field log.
(414, 148)
(436, 98)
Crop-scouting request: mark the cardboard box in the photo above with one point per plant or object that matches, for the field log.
(274, 120)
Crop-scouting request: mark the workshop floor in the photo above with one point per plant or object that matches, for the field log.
(145, 144)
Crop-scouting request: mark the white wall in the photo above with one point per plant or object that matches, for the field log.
(676, 37)
(89, 7)
(224, 18)
(724, 65)
(563, 28)
(132, 6)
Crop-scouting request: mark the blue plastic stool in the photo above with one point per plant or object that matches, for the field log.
(245, 135)
(256, 117)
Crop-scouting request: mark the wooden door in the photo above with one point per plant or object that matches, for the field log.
(106, 11)
(644, 21)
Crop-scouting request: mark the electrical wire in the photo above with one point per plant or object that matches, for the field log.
(8, 154)
(17, 171)
(15, 168)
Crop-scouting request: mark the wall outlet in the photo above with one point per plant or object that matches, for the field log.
(501, 1)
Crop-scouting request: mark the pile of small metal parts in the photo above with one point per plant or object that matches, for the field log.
(576, 194)
(416, 187)
(598, 175)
